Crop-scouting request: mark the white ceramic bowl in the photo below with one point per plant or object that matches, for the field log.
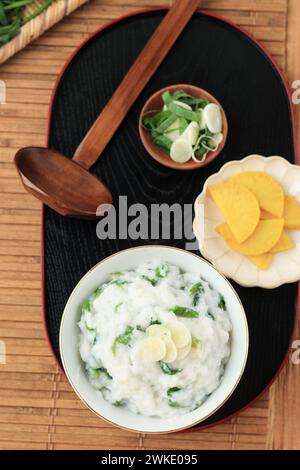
(285, 266)
(69, 337)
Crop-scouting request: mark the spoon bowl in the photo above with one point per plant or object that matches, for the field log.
(60, 182)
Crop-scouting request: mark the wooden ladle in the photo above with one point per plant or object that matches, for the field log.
(66, 185)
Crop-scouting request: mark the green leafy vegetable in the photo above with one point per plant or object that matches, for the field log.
(13, 16)
(196, 290)
(122, 339)
(118, 306)
(195, 342)
(95, 373)
(163, 141)
(155, 322)
(89, 328)
(166, 124)
(184, 312)
(118, 282)
(173, 404)
(152, 281)
(166, 369)
(222, 303)
(172, 390)
(119, 403)
(140, 328)
(162, 271)
(86, 306)
(105, 371)
(179, 111)
(98, 292)
(209, 314)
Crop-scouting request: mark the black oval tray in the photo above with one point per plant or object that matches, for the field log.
(214, 55)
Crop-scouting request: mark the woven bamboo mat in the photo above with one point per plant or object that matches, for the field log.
(38, 25)
(38, 409)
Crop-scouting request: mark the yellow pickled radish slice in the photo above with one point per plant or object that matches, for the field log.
(159, 331)
(183, 352)
(171, 353)
(179, 332)
(181, 150)
(152, 349)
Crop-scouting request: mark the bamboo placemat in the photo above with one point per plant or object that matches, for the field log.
(38, 409)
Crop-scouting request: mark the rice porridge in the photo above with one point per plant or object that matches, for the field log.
(155, 339)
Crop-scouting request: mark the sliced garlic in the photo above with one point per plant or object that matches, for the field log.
(213, 118)
(181, 150)
(159, 331)
(152, 349)
(171, 354)
(191, 133)
(180, 334)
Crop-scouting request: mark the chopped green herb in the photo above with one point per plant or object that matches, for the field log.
(173, 404)
(89, 328)
(119, 403)
(166, 97)
(140, 328)
(184, 312)
(222, 303)
(166, 369)
(162, 271)
(195, 342)
(98, 292)
(209, 314)
(151, 123)
(196, 290)
(200, 152)
(95, 373)
(179, 111)
(122, 339)
(166, 124)
(183, 123)
(163, 141)
(118, 282)
(117, 273)
(172, 390)
(152, 281)
(105, 371)
(155, 322)
(86, 306)
(118, 306)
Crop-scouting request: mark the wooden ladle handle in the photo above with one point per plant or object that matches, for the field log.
(134, 81)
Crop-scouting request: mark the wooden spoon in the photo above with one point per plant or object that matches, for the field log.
(66, 185)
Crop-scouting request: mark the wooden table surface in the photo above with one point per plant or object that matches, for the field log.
(38, 409)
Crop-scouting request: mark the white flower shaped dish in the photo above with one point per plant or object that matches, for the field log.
(285, 266)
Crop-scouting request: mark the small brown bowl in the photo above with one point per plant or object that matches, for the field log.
(155, 103)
